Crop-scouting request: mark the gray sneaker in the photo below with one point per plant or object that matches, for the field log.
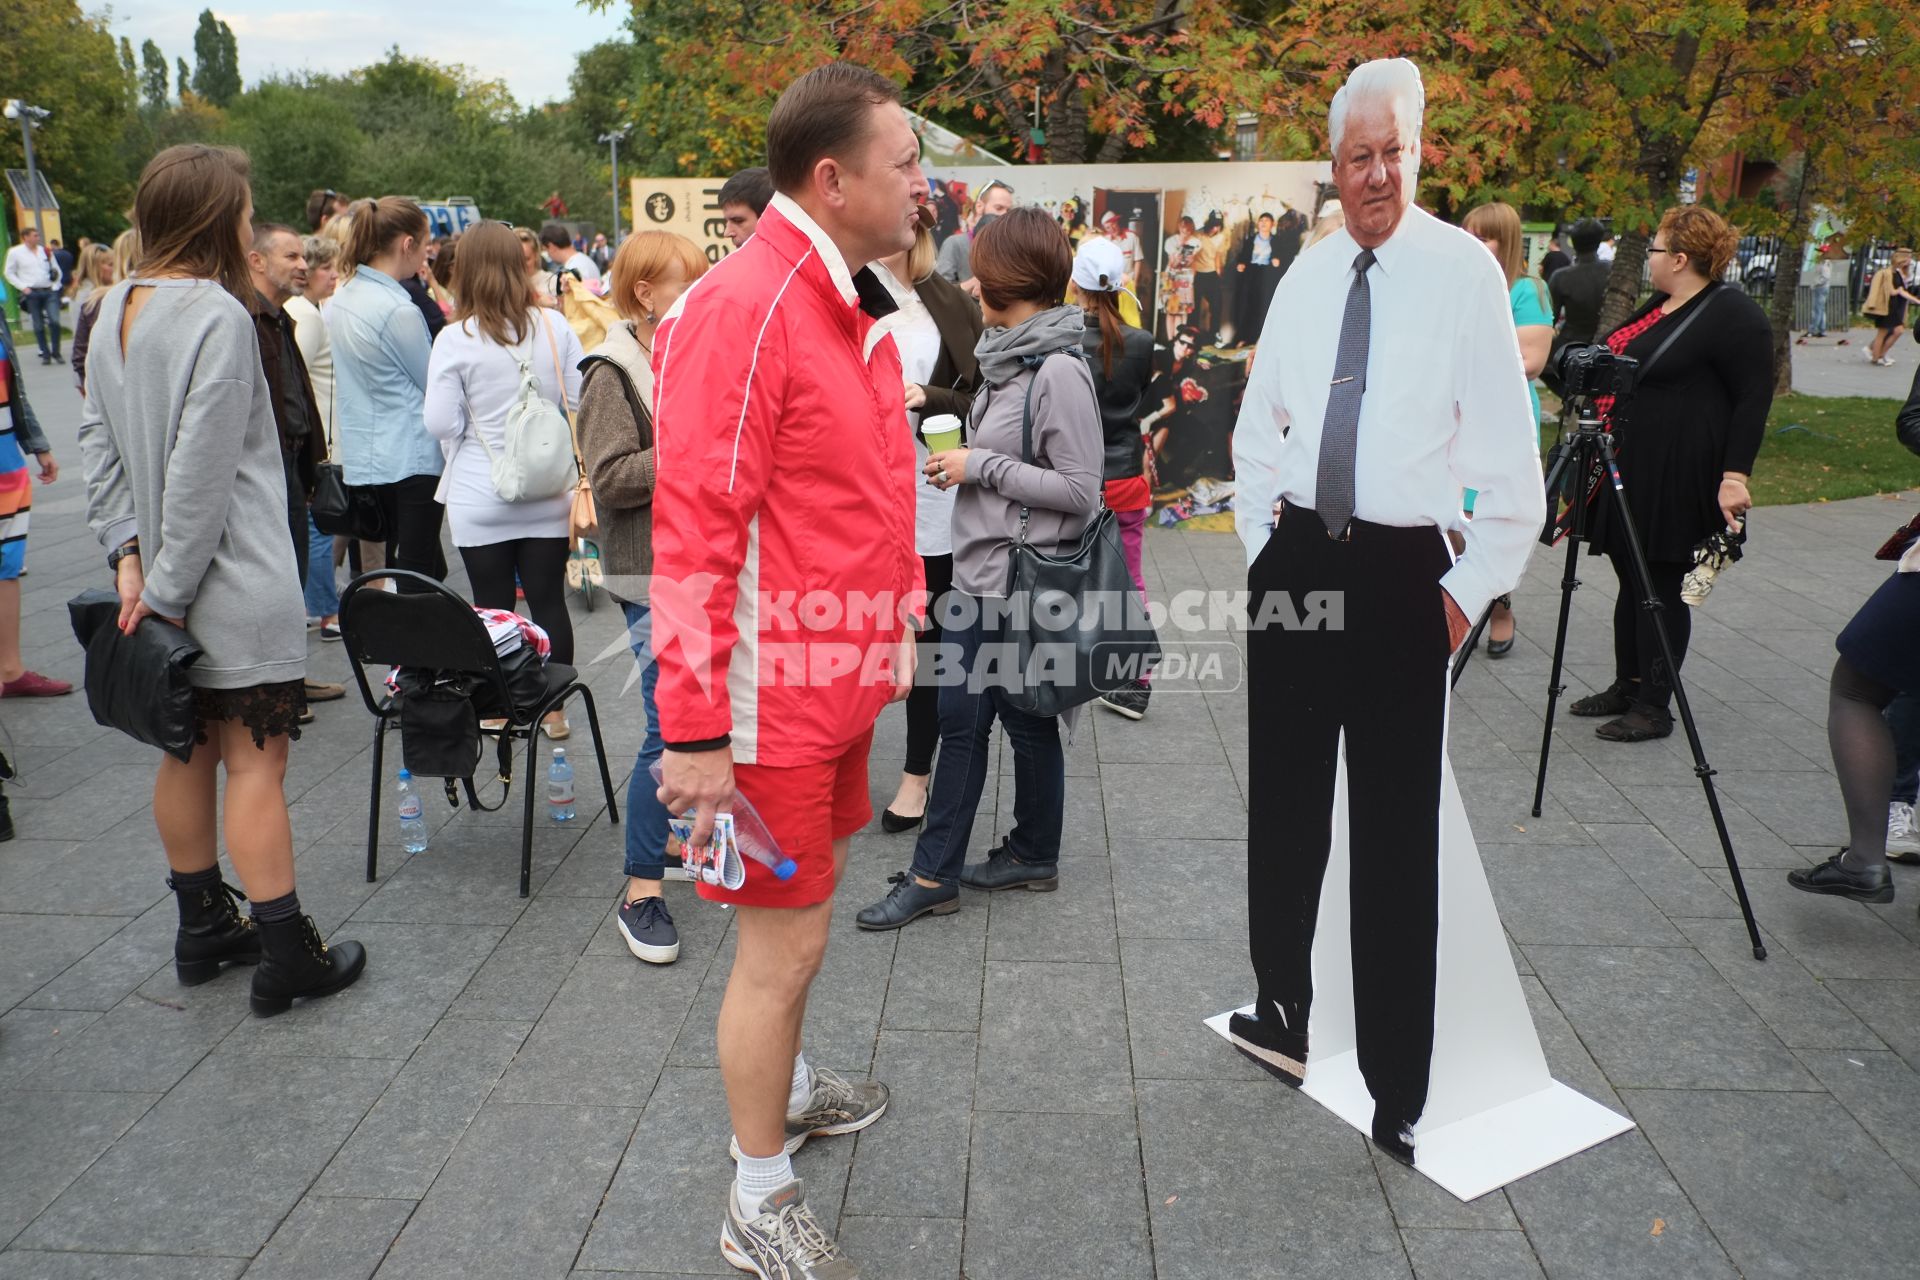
(838, 1105)
(784, 1241)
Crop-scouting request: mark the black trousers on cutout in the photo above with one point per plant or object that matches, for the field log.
(1381, 675)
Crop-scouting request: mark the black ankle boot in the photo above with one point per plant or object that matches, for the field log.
(295, 964)
(6, 819)
(212, 933)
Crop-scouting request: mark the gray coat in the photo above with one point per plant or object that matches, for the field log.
(617, 448)
(181, 449)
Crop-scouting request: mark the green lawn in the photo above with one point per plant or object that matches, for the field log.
(1824, 448)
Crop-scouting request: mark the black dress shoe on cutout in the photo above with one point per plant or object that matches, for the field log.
(1002, 870)
(1394, 1137)
(906, 902)
(1831, 877)
(1280, 1052)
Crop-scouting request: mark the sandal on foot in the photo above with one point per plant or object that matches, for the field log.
(1638, 725)
(1615, 700)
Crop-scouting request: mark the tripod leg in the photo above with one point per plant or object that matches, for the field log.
(1569, 583)
(1701, 768)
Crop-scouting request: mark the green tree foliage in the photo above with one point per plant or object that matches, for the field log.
(184, 81)
(54, 56)
(216, 61)
(153, 77)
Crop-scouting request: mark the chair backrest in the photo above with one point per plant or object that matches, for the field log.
(424, 625)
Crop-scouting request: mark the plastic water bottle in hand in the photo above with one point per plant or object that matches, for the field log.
(560, 787)
(413, 826)
(738, 830)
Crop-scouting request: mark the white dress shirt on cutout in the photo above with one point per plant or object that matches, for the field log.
(1446, 405)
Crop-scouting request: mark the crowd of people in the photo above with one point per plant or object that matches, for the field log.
(946, 401)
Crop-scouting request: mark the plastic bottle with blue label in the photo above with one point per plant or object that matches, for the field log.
(413, 825)
(560, 787)
(750, 837)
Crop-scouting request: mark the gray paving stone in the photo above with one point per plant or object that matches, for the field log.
(1799, 1009)
(1668, 877)
(911, 1248)
(1199, 892)
(915, 1157)
(1891, 1009)
(1712, 1040)
(1881, 1092)
(111, 971)
(59, 877)
(1084, 1164)
(29, 1037)
(578, 1053)
(331, 1239)
(1471, 1255)
(1172, 801)
(35, 949)
(1567, 1057)
(939, 970)
(152, 1039)
(399, 1148)
(148, 1194)
(1059, 1030)
(1293, 1160)
(50, 1139)
(1808, 1192)
(1614, 1213)
(413, 973)
(1833, 938)
(1572, 897)
(1171, 986)
(1083, 831)
(33, 1264)
(1499, 804)
(663, 1208)
(518, 1195)
(1679, 808)
(1072, 923)
(112, 795)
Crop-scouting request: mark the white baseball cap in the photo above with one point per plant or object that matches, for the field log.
(1099, 266)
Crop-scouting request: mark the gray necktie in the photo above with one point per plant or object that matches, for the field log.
(1333, 484)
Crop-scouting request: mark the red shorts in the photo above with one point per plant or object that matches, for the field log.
(806, 807)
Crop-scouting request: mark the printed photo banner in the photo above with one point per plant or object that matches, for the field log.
(690, 206)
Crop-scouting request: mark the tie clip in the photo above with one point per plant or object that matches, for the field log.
(1337, 381)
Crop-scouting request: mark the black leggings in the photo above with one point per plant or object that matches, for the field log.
(1636, 647)
(923, 704)
(413, 528)
(540, 564)
(1863, 756)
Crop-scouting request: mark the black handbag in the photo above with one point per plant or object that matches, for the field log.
(136, 683)
(439, 727)
(1078, 625)
(345, 510)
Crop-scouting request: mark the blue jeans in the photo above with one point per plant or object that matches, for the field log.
(1903, 717)
(43, 309)
(646, 816)
(966, 736)
(322, 587)
(1817, 321)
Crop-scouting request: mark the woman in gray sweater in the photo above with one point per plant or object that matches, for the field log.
(1030, 361)
(616, 440)
(186, 489)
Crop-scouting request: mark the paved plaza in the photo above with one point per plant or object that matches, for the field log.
(507, 1093)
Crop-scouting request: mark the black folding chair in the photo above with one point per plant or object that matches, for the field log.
(427, 627)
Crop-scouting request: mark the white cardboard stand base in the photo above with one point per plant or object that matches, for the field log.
(1494, 1114)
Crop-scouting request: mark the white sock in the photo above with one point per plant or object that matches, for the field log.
(802, 1087)
(758, 1178)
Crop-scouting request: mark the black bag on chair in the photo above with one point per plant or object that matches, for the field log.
(343, 510)
(439, 729)
(1107, 640)
(136, 683)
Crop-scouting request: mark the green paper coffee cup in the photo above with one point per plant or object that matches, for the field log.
(942, 432)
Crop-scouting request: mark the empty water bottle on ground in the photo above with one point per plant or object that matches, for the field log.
(413, 826)
(560, 787)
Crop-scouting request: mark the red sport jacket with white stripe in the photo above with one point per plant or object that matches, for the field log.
(783, 508)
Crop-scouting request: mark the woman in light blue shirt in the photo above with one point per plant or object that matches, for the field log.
(1497, 226)
(380, 351)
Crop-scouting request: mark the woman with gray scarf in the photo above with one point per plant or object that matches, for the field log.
(1029, 361)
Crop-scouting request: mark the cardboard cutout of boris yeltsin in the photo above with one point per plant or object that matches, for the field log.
(1390, 382)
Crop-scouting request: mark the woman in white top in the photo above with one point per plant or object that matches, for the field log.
(935, 330)
(310, 335)
(473, 379)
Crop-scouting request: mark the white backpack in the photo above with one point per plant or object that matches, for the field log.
(538, 460)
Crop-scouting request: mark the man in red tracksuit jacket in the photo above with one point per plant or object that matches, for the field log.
(784, 577)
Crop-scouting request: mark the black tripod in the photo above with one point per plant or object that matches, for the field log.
(1587, 447)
